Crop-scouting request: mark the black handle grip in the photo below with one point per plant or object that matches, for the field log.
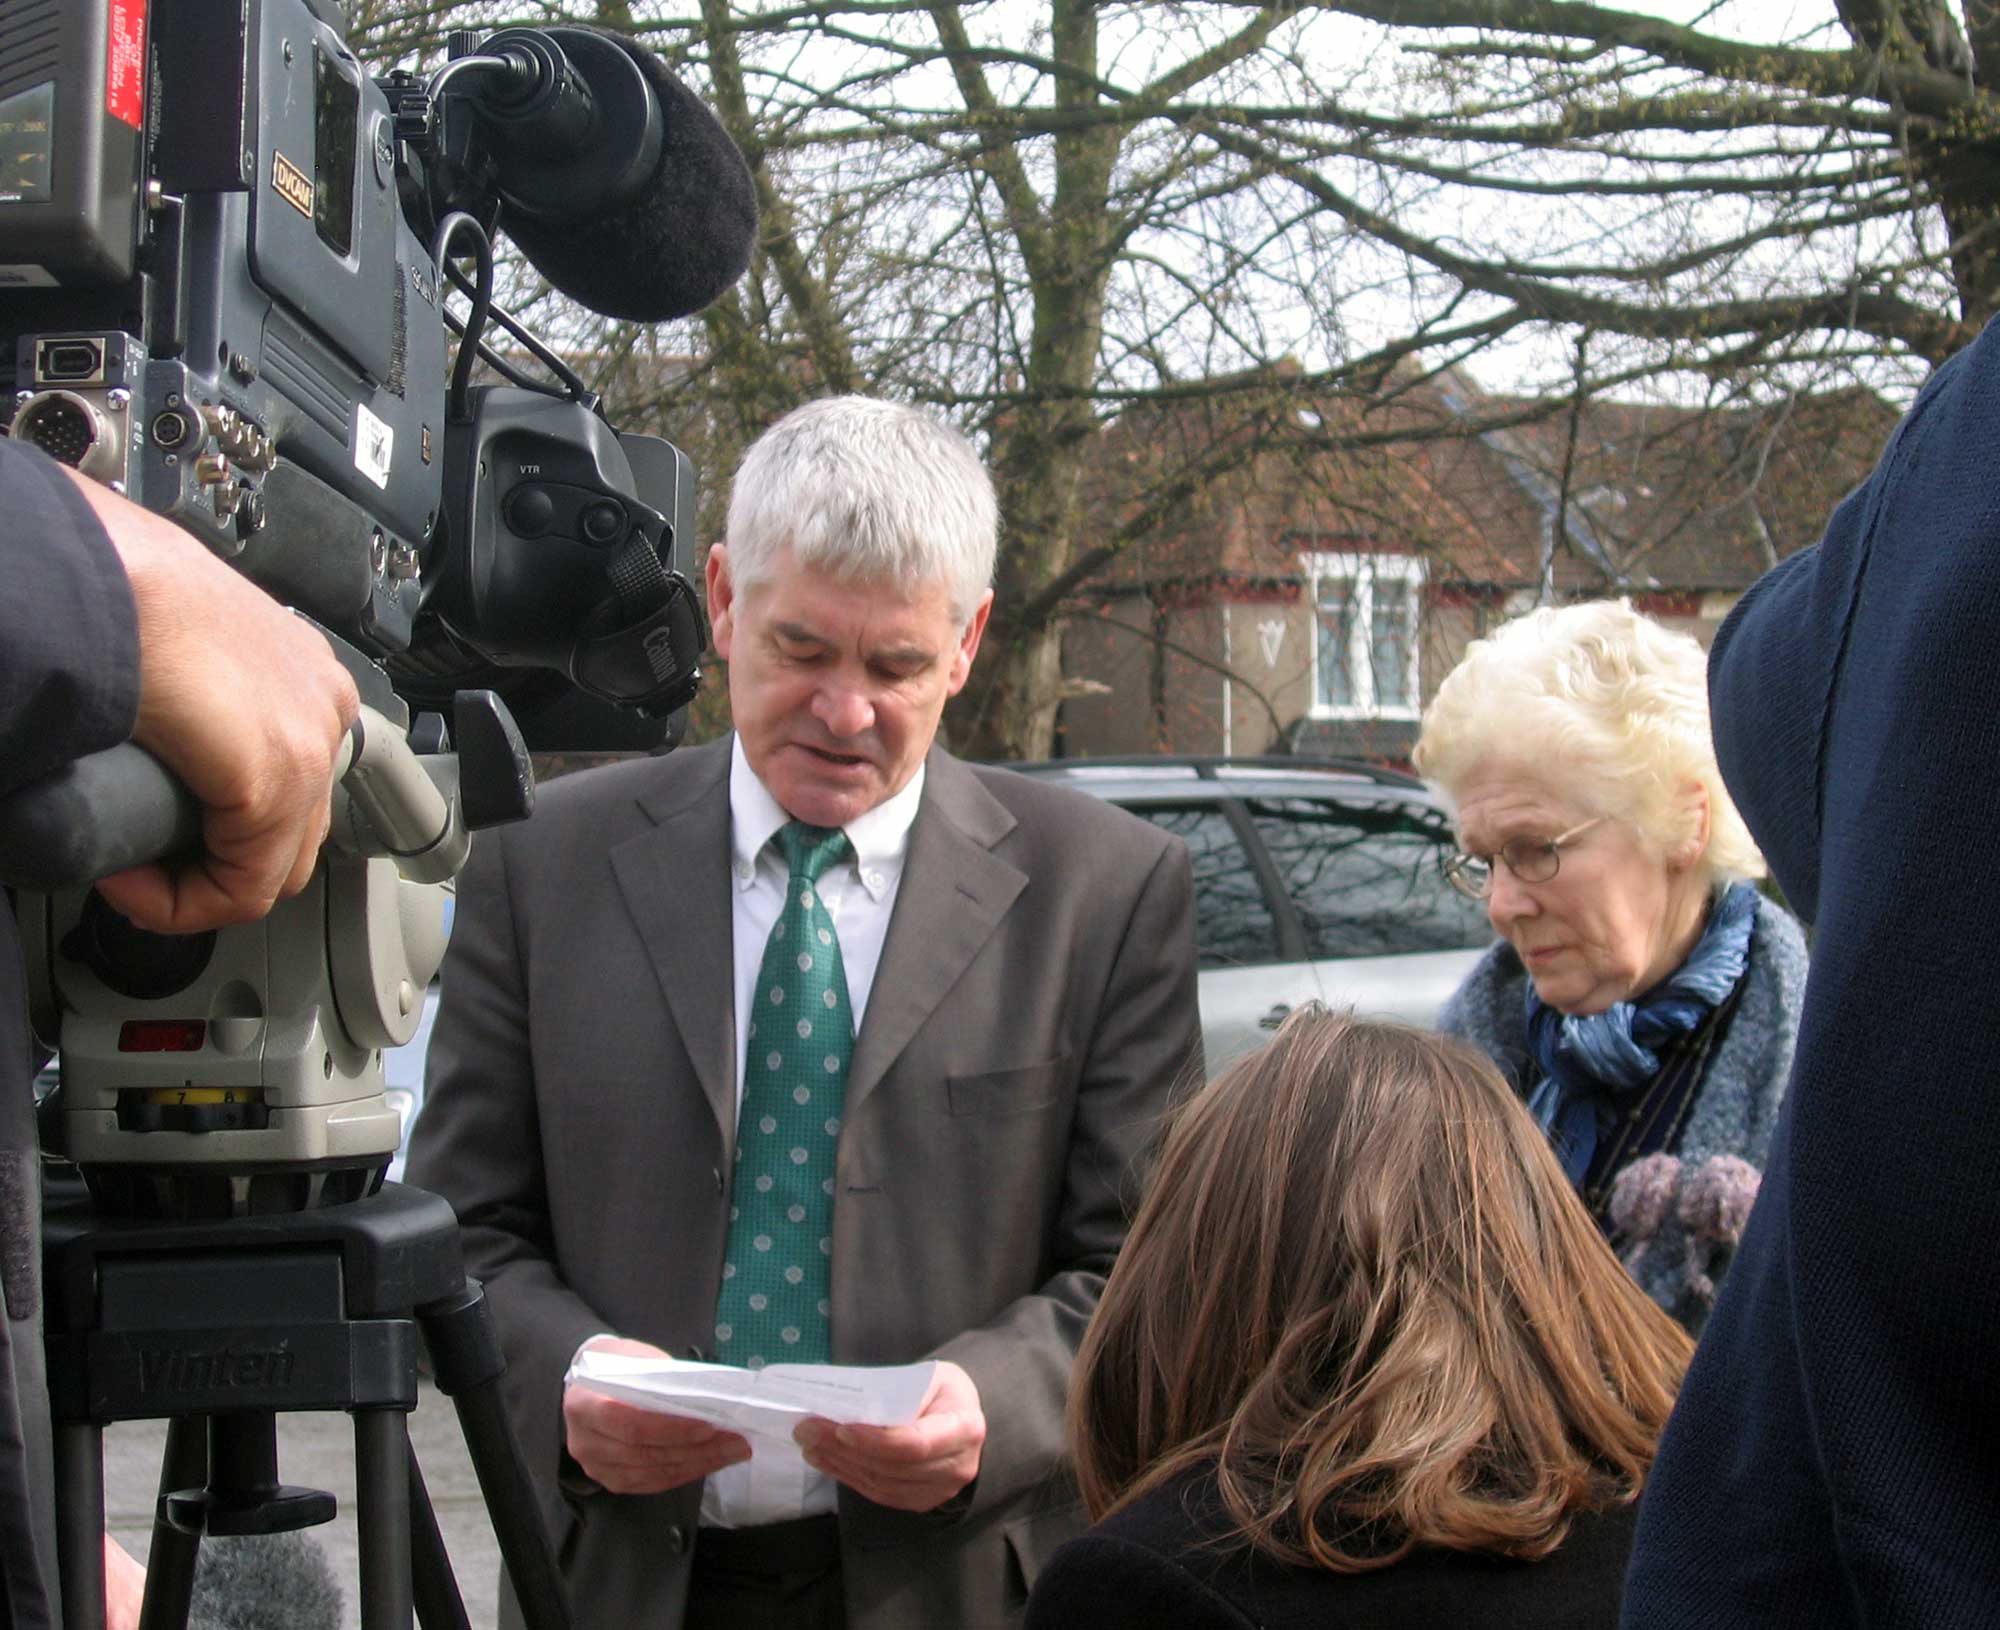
(95, 816)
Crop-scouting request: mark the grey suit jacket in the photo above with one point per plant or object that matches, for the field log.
(1034, 1007)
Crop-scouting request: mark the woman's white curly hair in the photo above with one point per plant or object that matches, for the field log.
(1603, 707)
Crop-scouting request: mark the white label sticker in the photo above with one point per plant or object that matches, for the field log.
(374, 444)
(26, 277)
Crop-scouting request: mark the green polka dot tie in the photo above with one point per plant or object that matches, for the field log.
(776, 1276)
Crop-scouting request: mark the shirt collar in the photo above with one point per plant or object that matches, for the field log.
(880, 836)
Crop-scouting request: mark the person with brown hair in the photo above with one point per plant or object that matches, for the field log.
(1365, 1359)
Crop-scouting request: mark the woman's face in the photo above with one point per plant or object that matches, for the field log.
(1614, 921)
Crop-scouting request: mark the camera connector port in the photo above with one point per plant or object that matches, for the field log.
(64, 426)
(171, 430)
(69, 362)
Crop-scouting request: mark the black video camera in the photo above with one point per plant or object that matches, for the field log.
(225, 256)
(227, 301)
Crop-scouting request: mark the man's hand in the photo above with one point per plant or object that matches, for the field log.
(912, 1468)
(630, 1450)
(245, 704)
(124, 1587)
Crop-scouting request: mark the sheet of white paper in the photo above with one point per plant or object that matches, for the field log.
(764, 1405)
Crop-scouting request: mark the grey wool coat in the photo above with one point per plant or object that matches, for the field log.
(1736, 1102)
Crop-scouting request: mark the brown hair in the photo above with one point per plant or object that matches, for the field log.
(1363, 1293)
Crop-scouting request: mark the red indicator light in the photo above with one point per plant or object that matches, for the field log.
(161, 1035)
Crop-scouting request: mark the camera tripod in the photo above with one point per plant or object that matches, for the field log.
(218, 1328)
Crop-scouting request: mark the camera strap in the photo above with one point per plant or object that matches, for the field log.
(642, 647)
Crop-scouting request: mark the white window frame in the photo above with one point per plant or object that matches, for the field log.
(1363, 571)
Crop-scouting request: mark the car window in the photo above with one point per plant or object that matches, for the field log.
(1233, 921)
(1364, 876)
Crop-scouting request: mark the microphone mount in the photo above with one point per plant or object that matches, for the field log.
(574, 129)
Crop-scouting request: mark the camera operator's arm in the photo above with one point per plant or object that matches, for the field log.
(69, 648)
(245, 704)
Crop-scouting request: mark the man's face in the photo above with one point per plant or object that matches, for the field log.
(836, 687)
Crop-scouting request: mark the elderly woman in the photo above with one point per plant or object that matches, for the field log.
(1644, 998)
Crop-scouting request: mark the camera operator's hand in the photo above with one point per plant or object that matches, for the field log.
(630, 1450)
(246, 705)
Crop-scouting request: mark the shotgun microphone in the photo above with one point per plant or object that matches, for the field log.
(620, 187)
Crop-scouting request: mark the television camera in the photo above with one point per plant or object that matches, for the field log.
(227, 260)
(225, 257)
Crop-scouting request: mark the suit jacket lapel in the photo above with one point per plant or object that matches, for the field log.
(954, 890)
(676, 881)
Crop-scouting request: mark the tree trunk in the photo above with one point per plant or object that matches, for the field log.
(1008, 711)
(1964, 171)
(1957, 170)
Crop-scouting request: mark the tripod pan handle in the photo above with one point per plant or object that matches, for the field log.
(96, 815)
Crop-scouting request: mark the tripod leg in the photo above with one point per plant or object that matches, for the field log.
(382, 1516)
(79, 1457)
(439, 1605)
(469, 1365)
(170, 1558)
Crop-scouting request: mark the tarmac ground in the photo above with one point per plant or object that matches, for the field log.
(317, 1451)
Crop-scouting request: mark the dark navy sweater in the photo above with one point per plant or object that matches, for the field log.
(69, 684)
(1835, 1458)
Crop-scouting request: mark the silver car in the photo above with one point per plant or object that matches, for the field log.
(1312, 879)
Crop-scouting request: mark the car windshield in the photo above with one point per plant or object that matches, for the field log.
(1234, 926)
(1363, 875)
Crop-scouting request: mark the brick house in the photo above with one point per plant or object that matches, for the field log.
(1311, 596)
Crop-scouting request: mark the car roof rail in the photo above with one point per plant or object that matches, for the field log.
(1213, 767)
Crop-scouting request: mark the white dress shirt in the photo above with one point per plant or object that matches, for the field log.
(860, 893)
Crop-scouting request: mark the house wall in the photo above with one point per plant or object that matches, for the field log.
(1108, 649)
(1264, 640)
(1271, 655)
(1186, 717)
(1156, 698)
(1697, 614)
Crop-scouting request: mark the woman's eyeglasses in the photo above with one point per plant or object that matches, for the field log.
(1532, 860)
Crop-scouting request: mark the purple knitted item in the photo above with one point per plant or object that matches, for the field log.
(1715, 1201)
(1642, 1197)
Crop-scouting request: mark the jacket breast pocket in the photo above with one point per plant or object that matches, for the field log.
(1008, 1092)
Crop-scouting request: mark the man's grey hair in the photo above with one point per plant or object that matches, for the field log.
(872, 491)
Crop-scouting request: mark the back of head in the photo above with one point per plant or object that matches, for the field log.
(869, 490)
(1599, 702)
(1361, 1290)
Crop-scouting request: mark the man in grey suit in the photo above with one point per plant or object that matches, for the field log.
(814, 1043)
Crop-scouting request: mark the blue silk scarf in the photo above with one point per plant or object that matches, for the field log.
(1592, 1063)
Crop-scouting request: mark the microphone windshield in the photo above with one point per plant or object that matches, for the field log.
(683, 237)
